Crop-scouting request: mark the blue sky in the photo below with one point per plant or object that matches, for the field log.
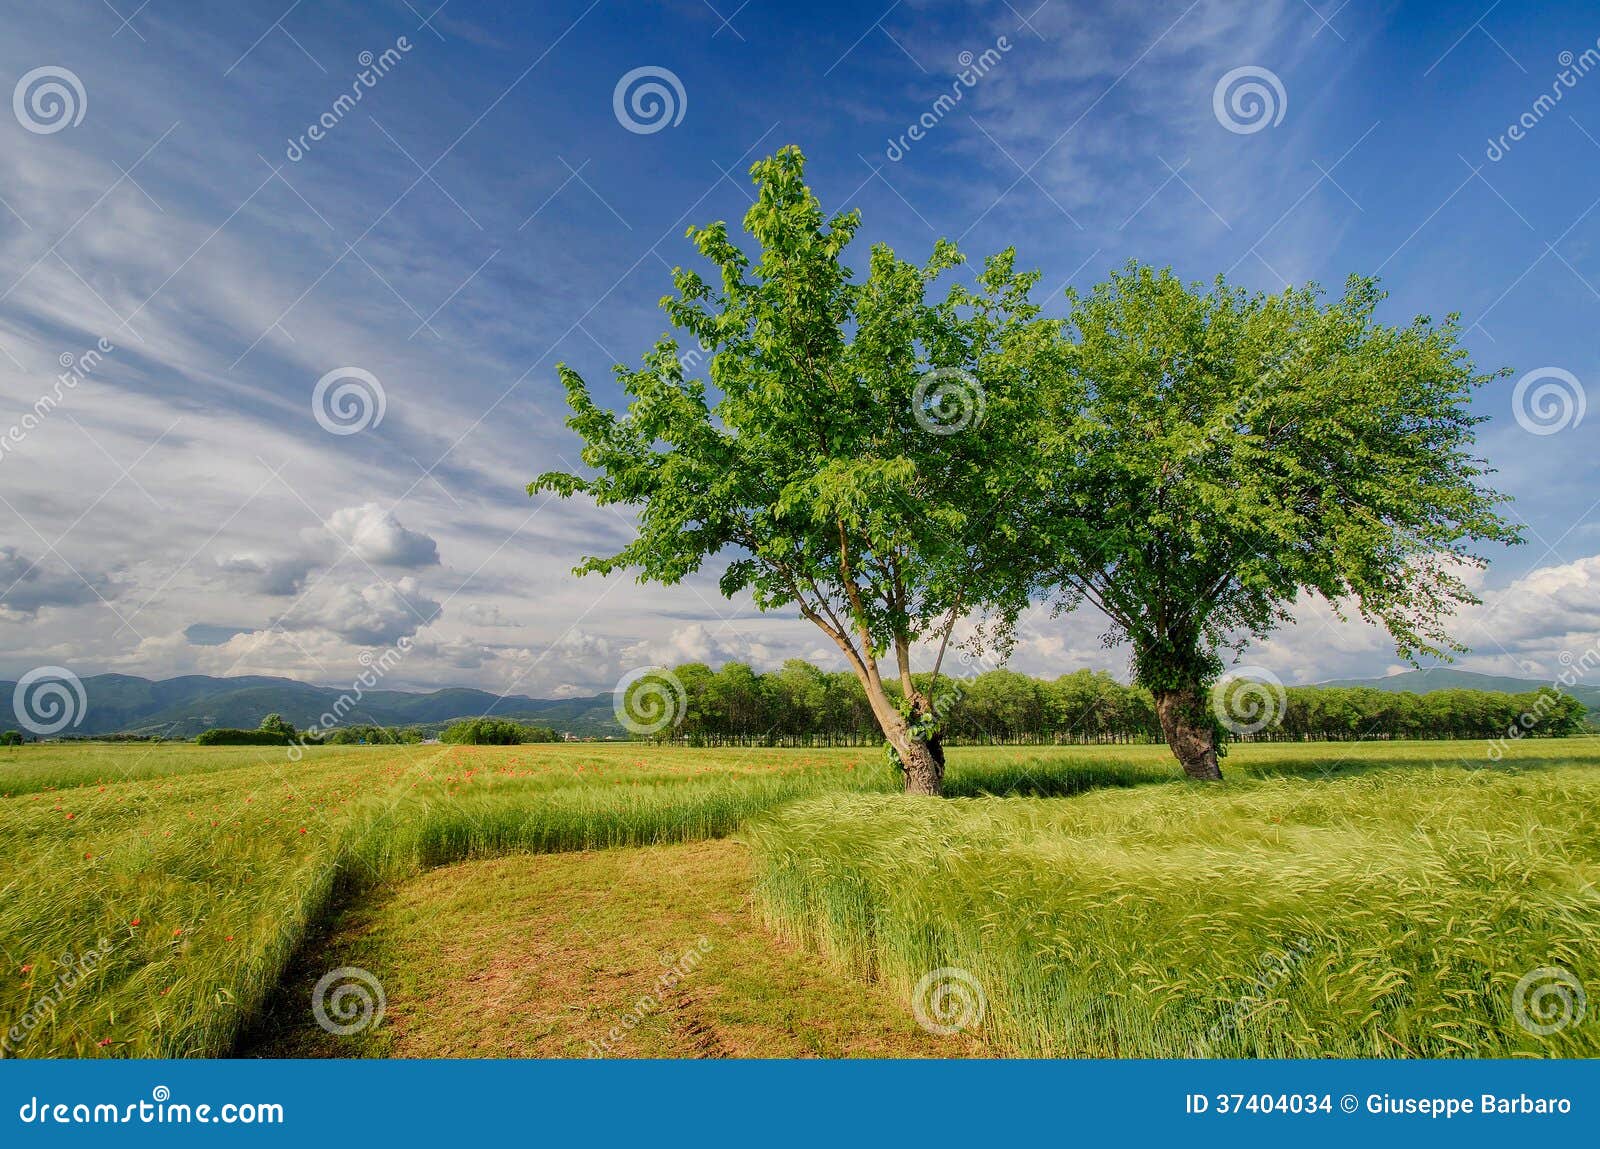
(483, 212)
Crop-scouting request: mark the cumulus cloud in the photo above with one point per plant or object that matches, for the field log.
(1531, 621)
(259, 574)
(714, 643)
(373, 615)
(380, 538)
(486, 614)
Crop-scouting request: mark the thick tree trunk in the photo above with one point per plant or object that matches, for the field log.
(1189, 731)
(924, 765)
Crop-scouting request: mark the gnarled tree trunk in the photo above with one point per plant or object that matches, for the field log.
(924, 764)
(1189, 731)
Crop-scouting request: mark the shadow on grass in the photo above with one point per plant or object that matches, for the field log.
(1043, 777)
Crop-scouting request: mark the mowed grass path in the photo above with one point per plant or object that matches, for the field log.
(204, 871)
(568, 955)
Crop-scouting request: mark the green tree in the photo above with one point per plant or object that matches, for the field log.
(1209, 455)
(11, 738)
(849, 448)
(277, 724)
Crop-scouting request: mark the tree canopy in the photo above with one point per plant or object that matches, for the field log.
(1213, 454)
(849, 449)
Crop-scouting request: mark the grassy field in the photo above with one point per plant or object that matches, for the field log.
(1387, 913)
(1104, 906)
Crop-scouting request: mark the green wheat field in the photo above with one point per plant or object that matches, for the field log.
(1367, 900)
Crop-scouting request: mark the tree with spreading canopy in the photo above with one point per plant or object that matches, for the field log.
(277, 724)
(851, 447)
(1207, 456)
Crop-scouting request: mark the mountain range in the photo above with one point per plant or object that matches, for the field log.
(183, 707)
(1448, 678)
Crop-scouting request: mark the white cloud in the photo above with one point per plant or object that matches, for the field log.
(377, 536)
(372, 615)
(486, 614)
(713, 643)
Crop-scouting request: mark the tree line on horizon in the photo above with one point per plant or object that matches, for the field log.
(275, 730)
(803, 705)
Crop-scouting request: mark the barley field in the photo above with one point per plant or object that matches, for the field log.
(1355, 899)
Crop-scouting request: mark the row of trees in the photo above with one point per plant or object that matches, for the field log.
(888, 461)
(275, 730)
(803, 705)
(495, 732)
(370, 735)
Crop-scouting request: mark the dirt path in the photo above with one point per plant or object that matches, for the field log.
(654, 952)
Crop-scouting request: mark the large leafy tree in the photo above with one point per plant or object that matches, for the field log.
(1211, 455)
(851, 449)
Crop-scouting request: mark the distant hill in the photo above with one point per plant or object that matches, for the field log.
(1448, 678)
(183, 707)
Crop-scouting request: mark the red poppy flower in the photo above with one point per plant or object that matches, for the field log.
(134, 922)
